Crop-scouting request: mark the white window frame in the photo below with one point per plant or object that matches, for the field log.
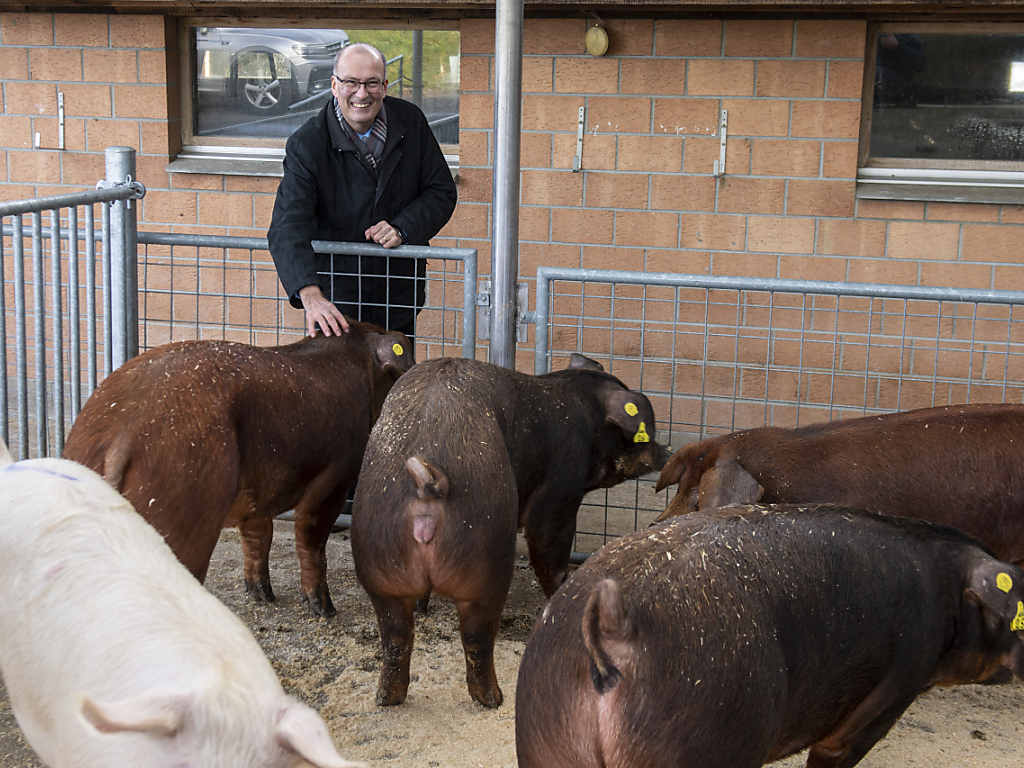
(964, 181)
(252, 156)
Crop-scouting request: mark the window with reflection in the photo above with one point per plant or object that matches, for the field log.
(254, 86)
(944, 112)
(948, 96)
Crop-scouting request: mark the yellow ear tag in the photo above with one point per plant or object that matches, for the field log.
(1004, 582)
(397, 349)
(1018, 621)
(631, 409)
(641, 435)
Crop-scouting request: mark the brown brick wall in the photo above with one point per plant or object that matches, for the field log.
(786, 206)
(646, 197)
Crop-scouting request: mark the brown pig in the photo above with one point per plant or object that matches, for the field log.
(731, 638)
(463, 455)
(960, 465)
(203, 435)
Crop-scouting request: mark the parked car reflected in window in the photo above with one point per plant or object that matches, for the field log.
(263, 72)
(254, 87)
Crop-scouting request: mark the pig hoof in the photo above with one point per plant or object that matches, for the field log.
(260, 592)
(489, 699)
(387, 698)
(422, 603)
(321, 606)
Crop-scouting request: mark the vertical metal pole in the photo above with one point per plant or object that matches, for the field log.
(120, 169)
(74, 315)
(417, 67)
(20, 337)
(57, 304)
(90, 296)
(39, 329)
(508, 83)
(108, 299)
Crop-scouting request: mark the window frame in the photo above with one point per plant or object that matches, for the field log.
(255, 156)
(919, 179)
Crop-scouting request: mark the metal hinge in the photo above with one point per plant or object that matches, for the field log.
(483, 319)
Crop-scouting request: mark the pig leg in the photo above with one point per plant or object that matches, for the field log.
(478, 624)
(395, 621)
(549, 541)
(312, 530)
(257, 536)
(866, 725)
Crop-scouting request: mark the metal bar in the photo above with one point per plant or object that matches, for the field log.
(108, 329)
(21, 345)
(39, 325)
(508, 79)
(90, 298)
(56, 307)
(74, 317)
(783, 285)
(120, 162)
(124, 192)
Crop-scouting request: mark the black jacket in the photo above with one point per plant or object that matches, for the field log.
(330, 193)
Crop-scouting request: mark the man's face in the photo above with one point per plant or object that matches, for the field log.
(359, 109)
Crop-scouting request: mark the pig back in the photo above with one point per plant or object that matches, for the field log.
(783, 619)
(92, 601)
(957, 465)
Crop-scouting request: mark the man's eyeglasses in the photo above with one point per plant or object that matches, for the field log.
(351, 86)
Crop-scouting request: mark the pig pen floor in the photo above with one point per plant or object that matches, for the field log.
(332, 665)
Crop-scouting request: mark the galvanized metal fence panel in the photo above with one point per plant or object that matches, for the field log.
(198, 287)
(50, 363)
(718, 354)
(188, 287)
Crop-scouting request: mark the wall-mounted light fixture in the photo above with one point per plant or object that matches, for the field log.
(596, 40)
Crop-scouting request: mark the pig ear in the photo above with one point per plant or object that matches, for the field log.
(1000, 588)
(728, 483)
(395, 353)
(630, 412)
(673, 469)
(301, 730)
(159, 713)
(582, 362)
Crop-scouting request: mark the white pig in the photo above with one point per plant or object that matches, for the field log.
(114, 655)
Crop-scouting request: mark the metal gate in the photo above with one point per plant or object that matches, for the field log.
(93, 308)
(718, 354)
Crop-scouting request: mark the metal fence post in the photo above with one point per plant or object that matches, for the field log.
(124, 255)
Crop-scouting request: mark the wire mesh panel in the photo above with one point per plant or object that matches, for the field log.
(57, 304)
(205, 287)
(735, 353)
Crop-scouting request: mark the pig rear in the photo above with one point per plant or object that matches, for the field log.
(114, 655)
(465, 453)
(736, 637)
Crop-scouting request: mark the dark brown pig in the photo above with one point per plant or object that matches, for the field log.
(735, 637)
(202, 435)
(960, 465)
(463, 455)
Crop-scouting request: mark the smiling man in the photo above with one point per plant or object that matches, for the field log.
(366, 168)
